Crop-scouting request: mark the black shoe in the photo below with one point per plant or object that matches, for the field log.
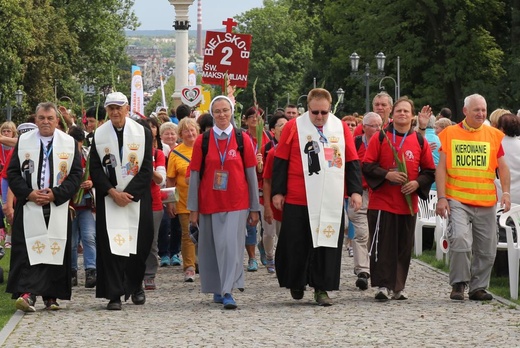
(457, 291)
(74, 278)
(90, 278)
(480, 295)
(114, 305)
(297, 294)
(138, 297)
(362, 281)
(51, 304)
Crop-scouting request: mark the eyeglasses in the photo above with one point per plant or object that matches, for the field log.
(375, 126)
(351, 124)
(317, 112)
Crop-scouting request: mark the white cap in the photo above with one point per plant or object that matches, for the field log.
(25, 127)
(116, 98)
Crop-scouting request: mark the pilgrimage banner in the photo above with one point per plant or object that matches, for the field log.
(137, 93)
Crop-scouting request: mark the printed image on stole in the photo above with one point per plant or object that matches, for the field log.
(46, 244)
(324, 189)
(122, 223)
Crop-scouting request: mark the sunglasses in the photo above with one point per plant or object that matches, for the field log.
(351, 124)
(317, 112)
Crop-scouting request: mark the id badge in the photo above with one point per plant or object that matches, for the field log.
(220, 180)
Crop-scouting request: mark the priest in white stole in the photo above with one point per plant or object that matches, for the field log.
(124, 223)
(311, 195)
(40, 255)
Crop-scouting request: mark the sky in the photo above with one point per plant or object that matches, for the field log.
(160, 14)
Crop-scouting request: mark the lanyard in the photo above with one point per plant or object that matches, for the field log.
(402, 140)
(48, 152)
(323, 138)
(221, 155)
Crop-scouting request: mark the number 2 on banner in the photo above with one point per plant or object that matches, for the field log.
(228, 51)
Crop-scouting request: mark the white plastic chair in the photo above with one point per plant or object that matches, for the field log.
(425, 217)
(513, 248)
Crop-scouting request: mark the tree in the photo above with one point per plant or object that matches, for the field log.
(280, 53)
(446, 47)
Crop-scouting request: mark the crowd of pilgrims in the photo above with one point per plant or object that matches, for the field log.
(245, 190)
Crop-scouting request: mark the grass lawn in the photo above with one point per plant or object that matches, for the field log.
(6, 303)
(498, 285)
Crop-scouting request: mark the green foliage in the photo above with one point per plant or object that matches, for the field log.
(6, 303)
(50, 48)
(280, 53)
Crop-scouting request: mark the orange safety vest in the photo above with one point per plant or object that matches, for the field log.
(471, 161)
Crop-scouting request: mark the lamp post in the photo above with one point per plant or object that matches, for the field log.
(341, 96)
(8, 108)
(301, 109)
(354, 62)
(397, 84)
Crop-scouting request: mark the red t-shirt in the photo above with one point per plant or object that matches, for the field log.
(268, 174)
(236, 197)
(5, 158)
(158, 160)
(388, 197)
(289, 149)
(361, 154)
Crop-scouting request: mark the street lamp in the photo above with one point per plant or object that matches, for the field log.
(397, 84)
(301, 109)
(341, 97)
(354, 62)
(8, 108)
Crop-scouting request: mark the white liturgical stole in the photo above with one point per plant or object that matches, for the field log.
(323, 159)
(122, 222)
(45, 244)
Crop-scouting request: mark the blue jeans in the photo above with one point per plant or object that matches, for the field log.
(85, 225)
(170, 233)
(251, 235)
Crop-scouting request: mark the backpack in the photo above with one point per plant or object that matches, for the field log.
(205, 145)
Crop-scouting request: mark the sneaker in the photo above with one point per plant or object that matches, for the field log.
(350, 252)
(189, 275)
(25, 303)
(252, 265)
(382, 294)
(175, 261)
(400, 295)
(297, 294)
(362, 280)
(457, 291)
(90, 278)
(51, 304)
(149, 284)
(114, 305)
(138, 297)
(270, 267)
(74, 278)
(263, 256)
(229, 302)
(480, 295)
(7, 245)
(217, 298)
(165, 261)
(322, 298)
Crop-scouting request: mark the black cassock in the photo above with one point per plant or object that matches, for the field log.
(120, 275)
(42, 279)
